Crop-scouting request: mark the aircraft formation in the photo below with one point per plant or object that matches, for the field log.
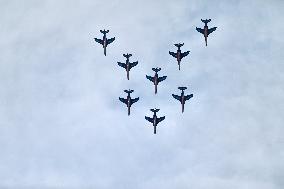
(178, 55)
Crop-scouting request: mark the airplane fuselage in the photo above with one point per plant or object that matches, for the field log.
(154, 122)
(104, 43)
(178, 57)
(128, 104)
(156, 82)
(127, 68)
(182, 102)
(205, 33)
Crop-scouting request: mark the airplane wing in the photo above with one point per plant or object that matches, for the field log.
(177, 97)
(109, 41)
(173, 54)
(99, 40)
(134, 100)
(184, 54)
(162, 78)
(149, 119)
(150, 78)
(123, 100)
(187, 97)
(200, 30)
(160, 119)
(122, 64)
(211, 30)
(131, 65)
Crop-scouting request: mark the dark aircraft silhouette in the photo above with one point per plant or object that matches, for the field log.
(156, 79)
(128, 65)
(105, 41)
(206, 31)
(155, 120)
(179, 55)
(128, 101)
(182, 98)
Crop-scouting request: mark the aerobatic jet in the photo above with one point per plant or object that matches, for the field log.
(128, 100)
(155, 120)
(128, 65)
(156, 79)
(206, 31)
(105, 41)
(179, 55)
(182, 98)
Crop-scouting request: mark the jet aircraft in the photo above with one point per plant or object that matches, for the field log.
(155, 120)
(128, 100)
(182, 98)
(206, 31)
(105, 41)
(156, 79)
(128, 65)
(179, 55)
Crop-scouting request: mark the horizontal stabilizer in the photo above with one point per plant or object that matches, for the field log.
(154, 110)
(128, 91)
(178, 45)
(127, 55)
(156, 69)
(104, 31)
(182, 88)
(205, 21)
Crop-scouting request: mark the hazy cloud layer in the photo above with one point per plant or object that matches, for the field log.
(62, 126)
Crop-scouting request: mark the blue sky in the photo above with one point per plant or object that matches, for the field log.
(62, 126)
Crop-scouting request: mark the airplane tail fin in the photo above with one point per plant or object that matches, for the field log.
(156, 69)
(205, 21)
(154, 110)
(127, 55)
(182, 88)
(104, 31)
(178, 45)
(128, 91)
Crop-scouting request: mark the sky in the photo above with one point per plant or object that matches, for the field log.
(63, 127)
